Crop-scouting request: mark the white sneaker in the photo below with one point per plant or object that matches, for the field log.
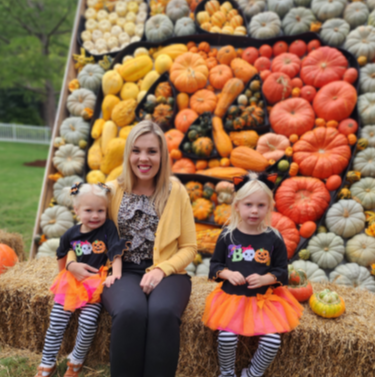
(244, 372)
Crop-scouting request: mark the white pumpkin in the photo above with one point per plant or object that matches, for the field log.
(281, 7)
(79, 100)
(345, 218)
(69, 160)
(356, 14)
(353, 275)
(158, 28)
(55, 221)
(361, 42)
(91, 76)
(326, 9)
(74, 129)
(364, 162)
(313, 272)
(184, 26)
(368, 132)
(326, 250)
(61, 190)
(177, 9)
(298, 21)
(252, 7)
(363, 192)
(361, 249)
(203, 269)
(334, 32)
(265, 25)
(367, 78)
(48, 248)
(366, 108)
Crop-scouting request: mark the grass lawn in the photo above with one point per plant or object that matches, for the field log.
(20, 188)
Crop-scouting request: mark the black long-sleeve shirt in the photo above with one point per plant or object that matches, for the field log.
(250, 254)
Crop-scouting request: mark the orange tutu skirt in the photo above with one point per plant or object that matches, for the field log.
(277, 311)
(74, 294)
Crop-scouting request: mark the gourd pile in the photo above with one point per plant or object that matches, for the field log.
(286, 108)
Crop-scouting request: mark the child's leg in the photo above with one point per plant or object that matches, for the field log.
(87, 325)
(227, 352)
(59, 319)
(267, 350)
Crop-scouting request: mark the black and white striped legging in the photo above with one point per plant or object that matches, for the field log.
(267, 349)
(59, 319)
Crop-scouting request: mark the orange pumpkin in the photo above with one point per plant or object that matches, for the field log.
(8, 257)
(219, 75)
(333, 182)
(201, 164)
(184, 119)
(184, 166)
(204, 46)
(272, 146)
(242, 69)
(182, 101)
(174, 138)
(226, 54)
(211, 62)
(163, 89)
(203, 101)
(98, 247)
(307, 229)
(321, 153)
(189, 72)
(232, 89)
(277, 87)
(287, 63)
(249, 159)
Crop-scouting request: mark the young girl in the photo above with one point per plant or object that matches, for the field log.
(250, 259)
(89, 241)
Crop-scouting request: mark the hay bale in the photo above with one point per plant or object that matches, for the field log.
(318, 347)
(15, 241)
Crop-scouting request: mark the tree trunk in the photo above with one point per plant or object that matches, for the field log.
(49, 105)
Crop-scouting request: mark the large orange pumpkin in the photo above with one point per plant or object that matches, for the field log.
(323, 66)
(219, 76)
(335, 101)
(202, 101)
(184, 119)
(277, 87)
(302, 199)
(8, 257)
(174, 138)
(286, 63)
(288, 231)
(292, 116)
(189, 72)
(321, 153)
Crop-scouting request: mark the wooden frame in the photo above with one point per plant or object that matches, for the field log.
(62, 113)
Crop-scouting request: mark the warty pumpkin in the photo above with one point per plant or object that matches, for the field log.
(202, 209)
(272, 146)
(221, 139)
(249, 159)
(123, 113)
(222, 213)
(231, 90)
(321, 153)
(203, 101)
(327, 304)
(245, 138)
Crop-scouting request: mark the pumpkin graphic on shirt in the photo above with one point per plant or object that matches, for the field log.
(262, 256)
(98, 247)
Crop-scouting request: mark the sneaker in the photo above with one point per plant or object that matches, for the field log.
(244, 373)
(73, 370)
(46, 372)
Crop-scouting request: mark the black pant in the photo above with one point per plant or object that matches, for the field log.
(145, 335)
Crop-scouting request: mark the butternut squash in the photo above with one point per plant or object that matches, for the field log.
(221, 139)
(232, 89)
(109, 132)
(94, 155)
(223, 172)
(249, 159)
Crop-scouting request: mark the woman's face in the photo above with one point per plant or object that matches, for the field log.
(145, 157)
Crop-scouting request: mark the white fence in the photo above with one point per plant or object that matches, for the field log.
(25, 134)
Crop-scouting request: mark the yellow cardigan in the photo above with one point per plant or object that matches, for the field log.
(175, 243)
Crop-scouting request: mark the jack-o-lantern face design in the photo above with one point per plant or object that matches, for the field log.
(262, 256)
(98, 247)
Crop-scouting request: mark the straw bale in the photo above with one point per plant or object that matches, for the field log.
(318, 347)
(15, 241)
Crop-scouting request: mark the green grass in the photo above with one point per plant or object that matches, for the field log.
(20, 188)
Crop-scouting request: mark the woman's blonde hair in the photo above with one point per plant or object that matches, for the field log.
(127, 179)
(88, 188)
(247, 189)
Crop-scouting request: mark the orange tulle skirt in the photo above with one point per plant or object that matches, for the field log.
(74, 294)
(277, 311)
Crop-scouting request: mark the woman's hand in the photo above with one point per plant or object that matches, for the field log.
(151, 279)
(81, 271)
(257, 281)
(234, 277)
(111, 279)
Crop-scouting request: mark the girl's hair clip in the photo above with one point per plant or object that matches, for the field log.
(74, 190)
(267, 179)
(104, 187)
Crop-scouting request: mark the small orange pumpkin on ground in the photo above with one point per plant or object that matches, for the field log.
(320, 122)
(203, 101)
(184, 166)
(332, 123)
(176, 154)
(8, 257)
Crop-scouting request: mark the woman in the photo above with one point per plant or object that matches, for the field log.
(147, 302)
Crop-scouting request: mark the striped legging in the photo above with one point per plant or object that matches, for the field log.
(267, 349)
(59, 319)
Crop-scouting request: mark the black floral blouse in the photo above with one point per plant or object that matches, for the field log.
(137, 221)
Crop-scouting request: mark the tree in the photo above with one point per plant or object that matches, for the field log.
(34, 43)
